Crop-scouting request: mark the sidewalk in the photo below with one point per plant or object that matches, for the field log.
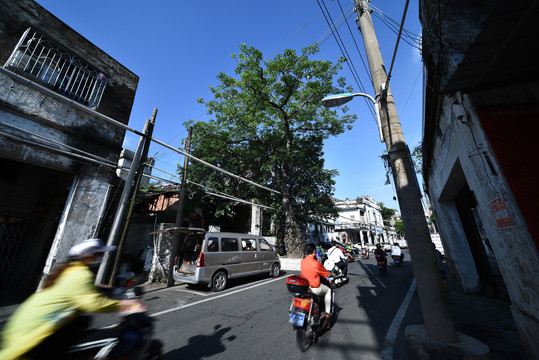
(486, 319)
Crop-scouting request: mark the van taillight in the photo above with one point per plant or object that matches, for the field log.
(200, 261)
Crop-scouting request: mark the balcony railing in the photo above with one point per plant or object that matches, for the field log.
(56, 68)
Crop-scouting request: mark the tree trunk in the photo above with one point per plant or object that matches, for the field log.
(292, 234)
(162, 248)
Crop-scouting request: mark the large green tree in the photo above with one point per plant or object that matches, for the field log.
(268, 125)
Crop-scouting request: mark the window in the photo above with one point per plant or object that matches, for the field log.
(56, 68)
(264, 246)
(229, 244)
(248, 245)
(213, 244)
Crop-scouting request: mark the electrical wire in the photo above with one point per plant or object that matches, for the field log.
(340, 42)
(76, 156)
(357, 47)
(349, 62)
(396, 45)
(208, 190)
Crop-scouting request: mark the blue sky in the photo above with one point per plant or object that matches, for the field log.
(178, 47)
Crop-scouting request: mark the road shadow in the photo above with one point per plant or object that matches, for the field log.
(202, 346)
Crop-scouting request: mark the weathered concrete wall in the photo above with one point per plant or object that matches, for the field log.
(458, 158)
(54, 118)
(82, 214)
(17, 15)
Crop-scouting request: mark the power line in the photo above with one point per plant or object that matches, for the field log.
(357, 47)
(211, 191)
(114, 122)
(354, 73)
(339, 41)
(397, 44)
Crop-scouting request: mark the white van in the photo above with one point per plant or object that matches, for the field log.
(213, 258)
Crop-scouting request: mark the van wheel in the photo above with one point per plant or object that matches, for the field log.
(275, 270)
(219, 281)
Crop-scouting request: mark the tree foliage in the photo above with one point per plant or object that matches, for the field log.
(399, 227)
(386, 213)
(268, 125)
(417, 158)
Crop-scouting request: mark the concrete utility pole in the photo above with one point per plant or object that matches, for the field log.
(132, 203)
(179, 217)
(112, 239)
(438, 323)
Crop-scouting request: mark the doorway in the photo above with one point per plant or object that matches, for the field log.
(491, 282)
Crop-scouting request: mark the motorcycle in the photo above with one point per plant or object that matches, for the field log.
(397, 259)
(382, 268)
(305, 312)
(130, 339)
(364, 253)
(339, 279)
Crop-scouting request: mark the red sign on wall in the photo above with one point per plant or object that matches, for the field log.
(500, 213)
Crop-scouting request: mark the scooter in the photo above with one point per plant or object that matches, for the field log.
(339, 279)
(397, 259)
(130, 339)
(382, 268)
(364, 253)
(305, 312)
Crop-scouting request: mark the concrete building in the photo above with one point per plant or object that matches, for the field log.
(361, 220)
(480, 128)
(58, 151)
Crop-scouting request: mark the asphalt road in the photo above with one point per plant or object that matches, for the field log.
(249, 320)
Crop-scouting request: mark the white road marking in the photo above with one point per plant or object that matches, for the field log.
(193, 292)
(375, 277)
(215, 297)
(389, 341)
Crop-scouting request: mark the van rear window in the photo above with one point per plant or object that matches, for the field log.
(191, 248)
(229, 244)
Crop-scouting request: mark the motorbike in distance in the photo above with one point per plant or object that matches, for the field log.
(306, 311)
(381, 264)
(131, 338)
(397, 259)
(364, 253)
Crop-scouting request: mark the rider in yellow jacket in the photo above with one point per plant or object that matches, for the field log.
(45, 312)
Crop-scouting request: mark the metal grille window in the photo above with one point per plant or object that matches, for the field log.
(54, 66)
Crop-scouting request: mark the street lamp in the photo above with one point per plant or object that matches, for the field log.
(340, 99)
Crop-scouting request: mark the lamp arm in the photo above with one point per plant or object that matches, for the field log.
(376, 110)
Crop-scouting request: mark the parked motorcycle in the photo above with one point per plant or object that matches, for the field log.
(397, 259)
(130, 339)
(382, 268)
(305, 312)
